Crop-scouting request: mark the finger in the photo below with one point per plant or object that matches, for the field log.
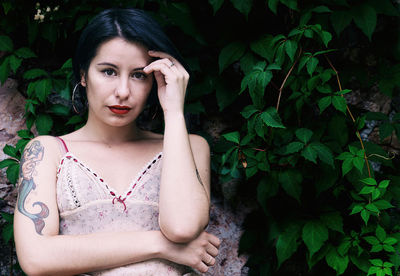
(209, 260)
(163, 55)
(158, 67)
(202, 267)
(160, 54)
(214, 240)
(212, 250)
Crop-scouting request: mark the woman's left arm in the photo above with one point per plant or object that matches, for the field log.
(185, 179)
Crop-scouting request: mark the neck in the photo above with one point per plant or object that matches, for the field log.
(100, 132)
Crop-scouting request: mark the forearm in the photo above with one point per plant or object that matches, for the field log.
(68, 255)
(184, 201)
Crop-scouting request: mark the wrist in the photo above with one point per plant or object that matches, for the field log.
(173, 115)
(161, 245)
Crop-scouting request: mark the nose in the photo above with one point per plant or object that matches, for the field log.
(122, 90)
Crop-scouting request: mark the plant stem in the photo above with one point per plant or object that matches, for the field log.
(284, 81)
(351, 116)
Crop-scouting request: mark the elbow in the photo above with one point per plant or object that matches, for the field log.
(31, 267)
(178, 234)
(32, 264)
(181, 232)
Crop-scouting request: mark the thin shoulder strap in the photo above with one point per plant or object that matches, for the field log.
(65, 148)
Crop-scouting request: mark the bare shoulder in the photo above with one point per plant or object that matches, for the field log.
(46, 144)
(199, 144)
(151, 135)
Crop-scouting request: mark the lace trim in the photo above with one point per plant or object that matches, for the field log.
(116, 198)
(106, 201)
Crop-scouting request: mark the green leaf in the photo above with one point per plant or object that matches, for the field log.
(15, 63)
(336, 261)
(216, 4)
(7, 232)
(314, 235)
(24, 53)
(333, 220)
(369, 181)
(248, 111)
(347, 165)
(10, 151)
(376, 262)
(293, 147)
(43, 89)
(25, 133)
(7, 162)
(339, 103)
(34, 73)
(371, 207)
(365, 216)
(384, 184)
(390, 241)
(324, 153)
(44, 123)
(291, 183)
(365, 18)
(287, 243)
(4, 70)
(311, 65)
(326, 37)
(229, 54)
(244, 6)
(304, 134)
(359, 162)
(273, 5)
(63, 110)
(264, 47)
(385, 130)
(380, 233)
(291, 48)
(6, 43)
(372, 240)
(291, 4)
(271, 118)
(13, 173)
(232, 137)
(310, 154)
(383, 204)
(74, 120)
(356, 209)
(324, 103)
(366, 190)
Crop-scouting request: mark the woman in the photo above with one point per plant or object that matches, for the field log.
(110, 198)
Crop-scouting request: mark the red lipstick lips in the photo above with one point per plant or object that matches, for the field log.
(119, 109)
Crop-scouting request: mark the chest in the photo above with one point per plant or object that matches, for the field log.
(118, 168)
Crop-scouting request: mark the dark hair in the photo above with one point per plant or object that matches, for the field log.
(130, 24)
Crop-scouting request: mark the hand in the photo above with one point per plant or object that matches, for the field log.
(199, 253)
(172, 80)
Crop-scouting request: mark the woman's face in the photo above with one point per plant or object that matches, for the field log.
(116, 86)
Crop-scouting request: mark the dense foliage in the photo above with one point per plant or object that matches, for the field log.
(277, 74)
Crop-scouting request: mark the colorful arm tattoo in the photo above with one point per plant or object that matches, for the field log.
(31, 157)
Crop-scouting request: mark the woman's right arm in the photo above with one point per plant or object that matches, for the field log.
(42, 251)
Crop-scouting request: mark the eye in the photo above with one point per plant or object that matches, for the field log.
(139, 75)
(109, 72)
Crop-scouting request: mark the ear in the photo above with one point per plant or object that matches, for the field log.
(83, 78)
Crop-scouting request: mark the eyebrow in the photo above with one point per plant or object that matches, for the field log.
(115, 66)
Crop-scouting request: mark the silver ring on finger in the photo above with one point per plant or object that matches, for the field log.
(172, 64)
